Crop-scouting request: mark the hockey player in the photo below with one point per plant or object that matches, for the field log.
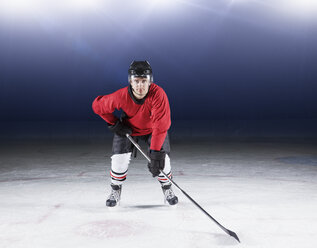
(146, 116)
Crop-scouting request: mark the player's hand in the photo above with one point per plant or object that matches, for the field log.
(157, 162)
(120, 128)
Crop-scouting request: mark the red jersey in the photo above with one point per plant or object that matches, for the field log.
(148, 115)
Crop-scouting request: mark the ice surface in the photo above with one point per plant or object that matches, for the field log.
(53, 195)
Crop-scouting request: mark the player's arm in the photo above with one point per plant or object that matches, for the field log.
(161, 115)
(104, 106)
(161, 118)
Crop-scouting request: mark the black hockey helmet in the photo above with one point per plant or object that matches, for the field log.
(140, 69)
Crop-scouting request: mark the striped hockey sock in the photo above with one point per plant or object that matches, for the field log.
(162, 179)
(118, 178)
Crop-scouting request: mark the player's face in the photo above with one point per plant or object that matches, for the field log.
(140, 86)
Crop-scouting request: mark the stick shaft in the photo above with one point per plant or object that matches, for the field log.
(231, 233)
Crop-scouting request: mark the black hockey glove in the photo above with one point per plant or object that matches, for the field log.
(120, 128)
(157, 162)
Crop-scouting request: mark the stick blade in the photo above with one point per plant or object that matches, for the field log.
(234, 235)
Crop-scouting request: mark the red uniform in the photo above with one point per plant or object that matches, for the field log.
(150, 115)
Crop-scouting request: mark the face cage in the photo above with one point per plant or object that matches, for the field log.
(149, 77)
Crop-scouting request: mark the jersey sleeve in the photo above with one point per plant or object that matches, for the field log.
(161, 118)
(104, 106)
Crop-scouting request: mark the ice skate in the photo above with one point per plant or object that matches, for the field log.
(169, 195)
(114, 196)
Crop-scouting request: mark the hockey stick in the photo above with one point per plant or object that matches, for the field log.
(231, 233)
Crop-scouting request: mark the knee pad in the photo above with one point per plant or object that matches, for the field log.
(119, 167)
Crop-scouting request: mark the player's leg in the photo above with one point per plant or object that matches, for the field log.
(168, 192)
(121, 150)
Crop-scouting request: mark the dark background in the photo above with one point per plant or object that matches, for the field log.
(228, 67)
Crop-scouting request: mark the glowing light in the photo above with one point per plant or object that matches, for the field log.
(300, 6)
(84, 4)
(66, 9)
(22, 8)
(292, 8)
(15, 7)
(166, 3)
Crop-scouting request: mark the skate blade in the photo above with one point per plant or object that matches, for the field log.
(169, 205)
(113, 208)
(173, 206)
